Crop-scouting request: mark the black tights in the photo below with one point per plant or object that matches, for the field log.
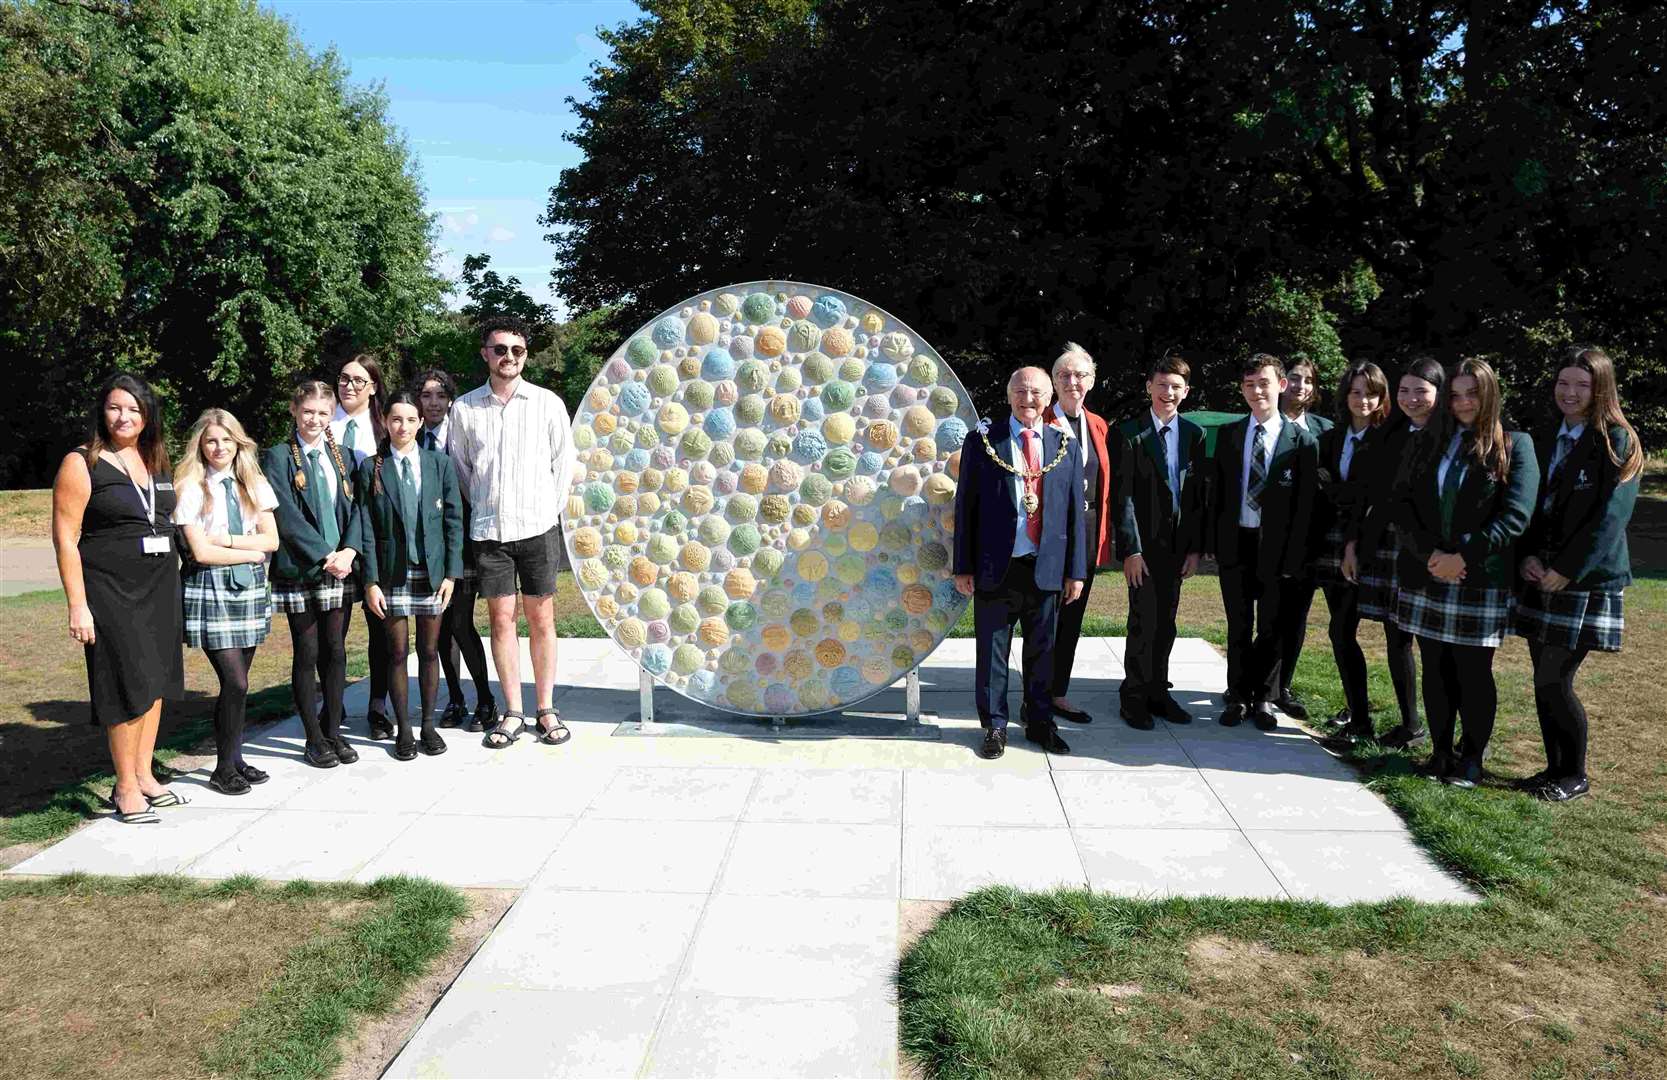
(376, 638)
(232, 667)
(1403, 673)
(1343, 601)
(428, 669)
(462, 641)
(1458, 682)
(1562, 716)
(319, 642)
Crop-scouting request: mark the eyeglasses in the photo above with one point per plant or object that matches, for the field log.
(352, 380)
(1079, 376)
(517, 351)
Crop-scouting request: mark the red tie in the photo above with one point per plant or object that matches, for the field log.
(1033, 485)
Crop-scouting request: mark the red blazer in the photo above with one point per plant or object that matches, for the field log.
(1100, 546)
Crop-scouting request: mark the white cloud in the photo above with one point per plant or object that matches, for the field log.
(500, 235)
(460, 222)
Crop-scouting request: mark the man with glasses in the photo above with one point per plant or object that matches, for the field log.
(512, 444)
(1019, 545)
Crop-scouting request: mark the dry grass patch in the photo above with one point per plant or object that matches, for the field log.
(26, 515)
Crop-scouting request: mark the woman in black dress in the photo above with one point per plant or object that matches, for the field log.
(112, 525)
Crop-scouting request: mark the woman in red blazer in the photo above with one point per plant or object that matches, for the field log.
(1073, 377)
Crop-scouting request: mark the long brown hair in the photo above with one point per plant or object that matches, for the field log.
(245, 465)
(1376, 383)
(373, 368)
(1605, 412)
(153, 451)
(1488, 448)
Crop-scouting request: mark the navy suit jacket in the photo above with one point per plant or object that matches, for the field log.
(987, 512)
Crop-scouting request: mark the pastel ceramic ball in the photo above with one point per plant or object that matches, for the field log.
(838, 395)
(932, 556)
(828, 311)
(809, 447)
(698, 394)
(741, 348)
(839, 463)
(663, 379)
(642, 352)
(839, 428)
(918, 421)
(776, 638)
(812, 566)
(817, 368)
(686, 659)
(717, 365)
(723, 560)
(765, 665)
(785, 475)
(940, 489)
(923, 371)
(701, 683)
(859, 491)
(879, 378)
(830, 652)
(787, 380)
(662, 548)
(743, 695)
(695, 556)
(677, 479)
(720, 424)
(942, 401)
(798, 307)
(749, 411)
(740, 616)
(804, 513)
(697, 500)
(658, 631)
(711, 600)
(739, 584)
(770, 341)
(951, 434)
(592, 574)
(759, 307)
(587, 542)
(752, 376)
(721, 454)
(653, 604)
(802, 336)
(599, 497)
(749, 444)
(656, 659)
(667, 332)
(672, 418)
(633, 398)
(713, 530)
(852, 369)
(583, 438)
(773, 509)
(836, 515)
(811, 410)
(725, 305)
(767, 563)
(836, 341)
(631, 633)
(784, 410)
(816, 489)
(754, 478)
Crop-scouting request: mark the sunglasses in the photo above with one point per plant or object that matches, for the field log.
(352, 380)
(517, 351)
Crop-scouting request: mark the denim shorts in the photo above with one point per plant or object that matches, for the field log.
(534, 560)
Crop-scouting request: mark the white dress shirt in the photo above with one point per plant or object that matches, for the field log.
(442, 433)
(1561, 449)
(1250, 517)
(326, 463)
(364, 434)
(1016, 450)
(395, 456)
(1351, 443)
(209, 514)
(515, 460)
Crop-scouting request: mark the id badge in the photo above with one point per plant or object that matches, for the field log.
(157, 545)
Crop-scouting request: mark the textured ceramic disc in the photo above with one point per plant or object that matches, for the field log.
(766, 498)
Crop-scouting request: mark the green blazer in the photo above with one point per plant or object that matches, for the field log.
(1488, 517)
(301, 547)
(1144, 518)
(1287, 500)
(1584, 530)
(439, 520)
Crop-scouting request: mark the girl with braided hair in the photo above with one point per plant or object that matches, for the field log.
(312, 582)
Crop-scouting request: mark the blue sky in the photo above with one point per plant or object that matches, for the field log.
(479, 88)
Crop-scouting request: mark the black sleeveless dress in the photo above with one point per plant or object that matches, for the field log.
(137, 654)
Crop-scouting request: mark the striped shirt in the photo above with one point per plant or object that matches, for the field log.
(515, 460)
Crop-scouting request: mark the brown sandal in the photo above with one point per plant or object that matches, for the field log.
(556, 733)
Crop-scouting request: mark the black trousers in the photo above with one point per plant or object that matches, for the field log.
(1017, 598)
(1070, 617)
(1458, 684)
(1252, 603)
(1295, 602)
(1343, 602)
(1152, 609)
(1562, 716)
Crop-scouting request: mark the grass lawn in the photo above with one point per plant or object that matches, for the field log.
(168, 977)
(1560, 971)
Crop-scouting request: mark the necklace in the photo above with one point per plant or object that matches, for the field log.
(1030, 500)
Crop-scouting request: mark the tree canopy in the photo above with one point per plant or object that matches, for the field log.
(1349, 179)
(187, 193)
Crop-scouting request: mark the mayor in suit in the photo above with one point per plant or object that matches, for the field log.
(1159, 463)
(1266, 470)
(1019, 545)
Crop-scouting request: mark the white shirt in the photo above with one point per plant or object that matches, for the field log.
(515, 460)
(1351, 443)
(1301, 421)
(364, 434)
(210, 515)
(1016, 450)
(1250, 517)
(416, 466)
(1447, 459)
(326, 463)
(1172, 453)
(1560, 449)
(442, 432)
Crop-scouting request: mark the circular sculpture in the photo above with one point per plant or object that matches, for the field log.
(765, 506)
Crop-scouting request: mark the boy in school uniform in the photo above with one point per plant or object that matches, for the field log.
(1265, 476)
(1158, 462)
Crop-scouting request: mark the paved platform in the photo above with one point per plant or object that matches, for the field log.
(729, 906)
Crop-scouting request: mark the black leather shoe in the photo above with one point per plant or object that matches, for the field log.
(454, 716)
(1339, 718)
(1048, 740)
(1563, 790)
(1288, 703)
(1170, 710)
(1466, 774)
(995, 744)
(252, 774)
(1264, 716)
(1075, 716)
(1233, 715)
(1354, 732)
(320, 756)
(405, 749)
(486, 715)
(344, 751)
(1140, 721)
(432, 744)
(380, 726)
(1535, 782)
(1437, 767)
(1400, 736)
(230, 784)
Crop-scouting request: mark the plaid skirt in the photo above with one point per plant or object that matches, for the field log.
(1573, 618)
(218, 616)
(1328, 561)
(1379, 580)
(414, 596)
(1456, 614)
(325, 594)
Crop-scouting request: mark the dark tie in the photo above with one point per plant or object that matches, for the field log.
(1349, 451)
(1169, 469)
(1454, 481)
(348, 433)
(1559, 458)
(408, 507)
(243, 574)
(1033, 485)
(1258, 468)
(429, 441)
(324, 507)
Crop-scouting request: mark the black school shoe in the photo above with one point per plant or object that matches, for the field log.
(1075, 716)
(252, 774)
(405, 749)
(230, 784)
(995, 744)
(1170, 710)
(1140, 721)
(320, 756)
(344, 750)
(432, 744)
(381, 727)
(486, 716)
(1264, 716)
(1233, 714)
(1048, 740)
(1466, 774)
(1288, 703)
(1565, 790)
(454, 716)
(1400, 736)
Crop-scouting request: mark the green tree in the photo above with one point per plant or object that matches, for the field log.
(188, 193)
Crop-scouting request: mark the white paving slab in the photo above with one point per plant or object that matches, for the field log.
(729, 906)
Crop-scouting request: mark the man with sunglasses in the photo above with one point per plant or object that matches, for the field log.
(512, 444)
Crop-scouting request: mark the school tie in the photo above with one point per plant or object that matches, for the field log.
(429, 440)
(324, 508)
(1033, 486)
(1258, 468)
(408, 507)
(243, 574)
(1169, 470)
(1350, 449)
(348, 433)
(1559, 458)
(1454, 481)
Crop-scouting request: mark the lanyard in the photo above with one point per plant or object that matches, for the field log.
(147, 499)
